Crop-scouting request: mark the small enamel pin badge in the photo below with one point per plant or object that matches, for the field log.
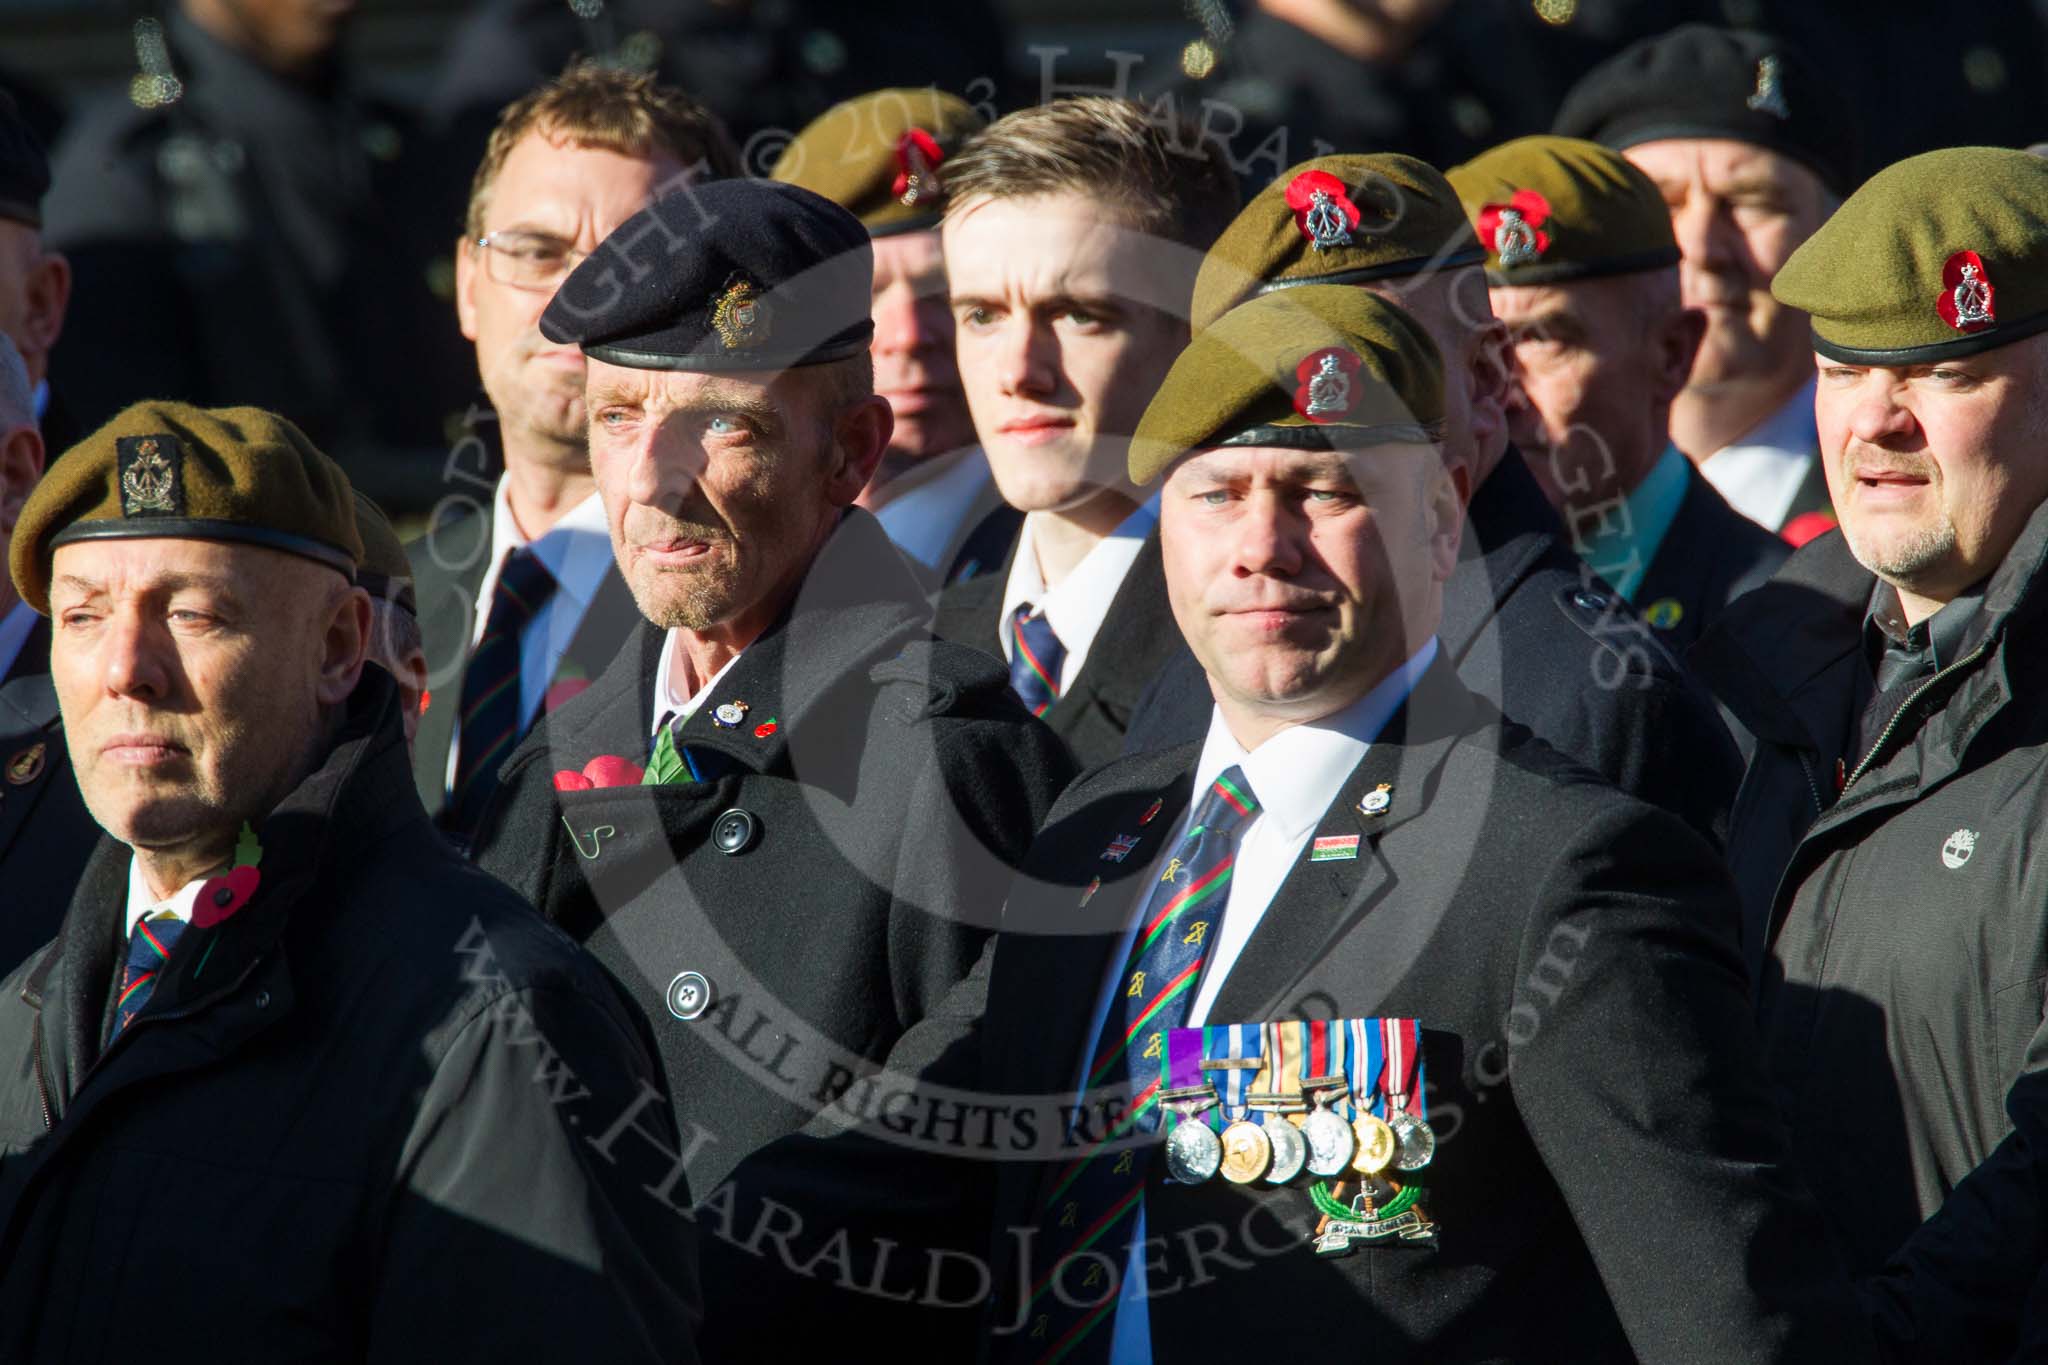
(1119, 848)
(1334, 848)
(1376, 801)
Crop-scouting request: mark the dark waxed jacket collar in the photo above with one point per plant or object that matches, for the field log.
(1770, 647)
(360, 792)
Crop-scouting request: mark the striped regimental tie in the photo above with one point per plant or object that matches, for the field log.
(1035, 658)
(149, 947)
(491, 714)
(1085, 1227)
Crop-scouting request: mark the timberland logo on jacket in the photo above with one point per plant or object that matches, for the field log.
(1957, 850)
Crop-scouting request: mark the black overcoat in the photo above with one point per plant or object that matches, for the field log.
(1710, 555)
(1611, 1182)
(46, 833)
(383, 1112)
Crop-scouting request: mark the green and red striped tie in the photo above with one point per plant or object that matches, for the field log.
(491, 717)
(1083, 1243)
(149, 947)
(1036, 655)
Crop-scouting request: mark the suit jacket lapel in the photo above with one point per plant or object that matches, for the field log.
(1319, 903)
(1113, 677)
(607, 623)
(448, 567)
(1689, 559)
(29, 721)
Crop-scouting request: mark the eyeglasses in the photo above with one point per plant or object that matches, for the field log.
(528, 260)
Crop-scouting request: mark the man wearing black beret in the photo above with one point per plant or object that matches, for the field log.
(35, 283)
(785, 816)
(1752, 150)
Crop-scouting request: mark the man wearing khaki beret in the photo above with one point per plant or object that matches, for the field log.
(1498, 1003)
(1582, 268)
(882, 157)
(292, 1082)
(1887, 838)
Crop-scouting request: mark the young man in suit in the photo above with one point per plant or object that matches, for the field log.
(1073, 232)
(1583, 270)
(1358, 837)
(519, 602)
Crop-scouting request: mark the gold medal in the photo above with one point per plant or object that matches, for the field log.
(1247, 1152)
(1376, 1145)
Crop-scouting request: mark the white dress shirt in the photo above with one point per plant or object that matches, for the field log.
(577, 550)
(14, 630)
(1077, 604)
(929, 514)
(668, 705)
(141, 904)
(1294, 776)
(1761, 473)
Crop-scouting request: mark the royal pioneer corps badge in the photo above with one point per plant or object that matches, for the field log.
(1513, 231)
(917, 168)
(1965, 302)
(151, 476)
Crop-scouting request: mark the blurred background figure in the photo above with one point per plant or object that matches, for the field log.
(255, 227)
(35, 283)
(882, 158)
(520, 600)
(1752, 150)
(395, 643)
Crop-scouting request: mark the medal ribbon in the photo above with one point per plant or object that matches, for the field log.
(1184, 1070)
(1403, 1041)
(1234, 1042)
(1365, 1061)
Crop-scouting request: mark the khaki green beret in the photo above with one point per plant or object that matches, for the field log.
(1938, 256)
(385, 573)
(878, 156)
(1552, 209)
(1322, 367)
(1335, 220)
(172, 470)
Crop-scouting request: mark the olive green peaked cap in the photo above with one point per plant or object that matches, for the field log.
(1336, 220)
(173, 470)
(1553, 209)
(1938, 256)
(1322, 367)
(881, 156)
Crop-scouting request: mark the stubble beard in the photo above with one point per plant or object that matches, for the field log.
(1904, 559)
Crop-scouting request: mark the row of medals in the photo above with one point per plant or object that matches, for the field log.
(1279, 1148)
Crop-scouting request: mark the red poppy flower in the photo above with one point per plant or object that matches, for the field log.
(1533, 210)
(765, 729)
(569, 780)
(222, 896)
(1326, 384)
(609, 770)
(1311, 190)
(917, 154)
(561, 690)
(1966, 293)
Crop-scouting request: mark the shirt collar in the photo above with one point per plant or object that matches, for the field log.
(1297, 773)
(1884, 623)
(1760, 473)
(141, 905)
(1077, 604)
(667, 705)
(1621, 549)
(576, 551)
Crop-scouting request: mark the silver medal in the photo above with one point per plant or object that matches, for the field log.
(1193, 1152)
(1290, 1150)
(1330, 1143)
(1418, 1141)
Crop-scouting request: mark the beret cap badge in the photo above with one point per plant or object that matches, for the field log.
(1324, 389)
(149, 478)
(1769, 95)
(1513, 231)
(1322, 209)
(918, 157)
(1965, 302)
(740, 314)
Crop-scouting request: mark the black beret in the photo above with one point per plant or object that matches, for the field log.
(726, 275)
(24, 169)
(1701, 81)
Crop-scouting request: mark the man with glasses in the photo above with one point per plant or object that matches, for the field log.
(519, 601)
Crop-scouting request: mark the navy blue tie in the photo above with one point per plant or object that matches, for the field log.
(149, 947)
(1035, 658)
(491, 714)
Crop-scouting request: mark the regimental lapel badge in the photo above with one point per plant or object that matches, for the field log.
(152, 475)
(1513, 231)
(1325, 384)
(1119, 848)
(1323, 211)
(917, 168)
(27, 765)
(729, 715)
(1769, 95)
(740, 314)
(1966, 294)
(1376, 801)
